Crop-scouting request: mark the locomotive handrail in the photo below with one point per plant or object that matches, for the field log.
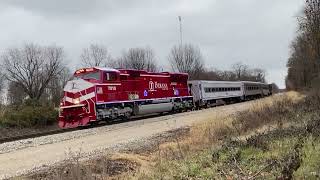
(72, 106)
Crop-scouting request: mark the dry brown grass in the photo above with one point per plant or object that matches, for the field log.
(271, 111)
(265, 112)
(116, 166)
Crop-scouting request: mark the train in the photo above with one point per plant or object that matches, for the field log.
(212, 93)
(98, 94)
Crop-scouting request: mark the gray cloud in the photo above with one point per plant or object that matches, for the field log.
(255, 32)
(66, 9)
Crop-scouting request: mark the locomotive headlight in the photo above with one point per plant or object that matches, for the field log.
(76, 101)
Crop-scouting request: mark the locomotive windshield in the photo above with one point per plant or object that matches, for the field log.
(90, 75)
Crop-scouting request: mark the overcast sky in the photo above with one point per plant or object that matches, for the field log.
(256, 32)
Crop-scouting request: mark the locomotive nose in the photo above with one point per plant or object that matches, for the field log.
(77, 85)
(75, 109)
(75, 91)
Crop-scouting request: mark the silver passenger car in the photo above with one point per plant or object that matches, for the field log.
(211, 93)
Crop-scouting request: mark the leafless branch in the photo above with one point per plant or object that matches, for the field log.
(95, 55)
(187, 59)
(138, 58)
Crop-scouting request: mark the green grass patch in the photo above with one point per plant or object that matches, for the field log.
(310, 167)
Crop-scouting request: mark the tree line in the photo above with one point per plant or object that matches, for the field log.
(304, 61)
(39, 73)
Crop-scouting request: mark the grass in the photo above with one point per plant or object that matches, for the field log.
(278, 138)
(266, 142)
(310, 167)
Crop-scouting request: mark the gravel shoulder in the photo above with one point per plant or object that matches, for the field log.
(30, 155)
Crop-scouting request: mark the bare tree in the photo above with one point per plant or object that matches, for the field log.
(15, 95)
(259, 75)
(95, 55)
(241, 70)
(54, 90)
(187, 59)
(138, 58)
(2, 78)
(302, 66)
(33, 67)
(212, 74)
(304, 62)
(227, 76)
(309, 25)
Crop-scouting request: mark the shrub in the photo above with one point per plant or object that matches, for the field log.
(278, 111)
(29, 116)
(312, 101)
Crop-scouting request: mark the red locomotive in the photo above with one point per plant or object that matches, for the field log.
(97, 94)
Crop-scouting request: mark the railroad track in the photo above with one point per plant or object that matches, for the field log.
(31, 135)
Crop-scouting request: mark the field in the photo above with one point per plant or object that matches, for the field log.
(277, 138)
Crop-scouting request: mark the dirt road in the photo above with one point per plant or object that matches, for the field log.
(31, 155)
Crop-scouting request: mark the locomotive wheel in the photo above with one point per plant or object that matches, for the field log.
(124, 118)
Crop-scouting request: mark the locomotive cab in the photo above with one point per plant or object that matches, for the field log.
(98, 75)
(88, 74)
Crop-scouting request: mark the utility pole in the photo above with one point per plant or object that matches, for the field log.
(180, 22)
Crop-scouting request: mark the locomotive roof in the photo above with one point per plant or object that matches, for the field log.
(85, 70)
(151, 73)
(106, 69)
(134, 71)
